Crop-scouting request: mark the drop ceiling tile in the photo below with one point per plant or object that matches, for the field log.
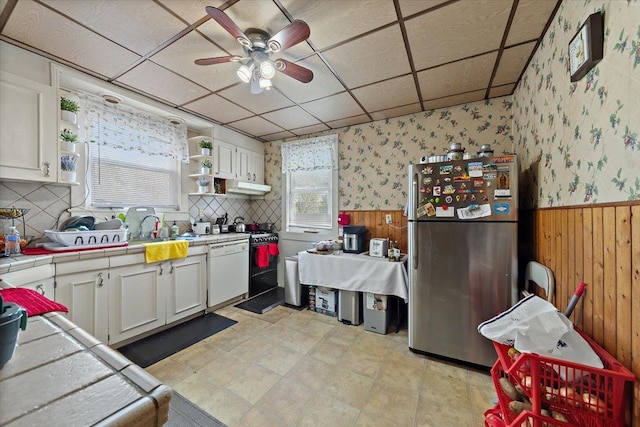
(409, 7)
(512, 62)
(457, 77)
(310, 129)
(463, 98)
(191, 11)
(396, 112)
(162, 83)
(218, 109)
(349, 121)
(501, 90)
(180, 56)
(292, 117)
(140, 26)
(333, 107)
(277, 136)
(387, 94)
(35, 25)
(324, 83)
(459, 30)
(378, 56)
(332, 22)
(256, 126)
(530, 20)
(267, 100)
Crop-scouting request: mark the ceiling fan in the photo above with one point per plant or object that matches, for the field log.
(257, 66)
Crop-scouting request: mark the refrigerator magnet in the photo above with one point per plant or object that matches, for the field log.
(436, 191)
(431, 211)
(445, 212)
(421, 211)
(502, 208)
(448, 189)
(475, 169)
(446, 169)
(448, 199)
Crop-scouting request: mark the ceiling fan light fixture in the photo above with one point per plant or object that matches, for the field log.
(266, 84)
(245, 73)
(267, 70)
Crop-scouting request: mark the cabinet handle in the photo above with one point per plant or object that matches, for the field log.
(161, 270)
(100, 280)
(254, 176)
(47, 169)
(40, 289)
(249, 176)
(171, 271)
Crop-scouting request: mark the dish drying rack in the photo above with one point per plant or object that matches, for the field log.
(13, 213)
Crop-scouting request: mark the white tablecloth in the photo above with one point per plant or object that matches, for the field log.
(354, 272)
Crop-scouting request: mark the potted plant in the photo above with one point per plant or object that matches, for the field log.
(68, 140)
(206, 166)
(203, 184)
(68, 164)
(68, 110)
(206, 146)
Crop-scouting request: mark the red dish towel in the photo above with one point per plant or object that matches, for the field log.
(31, 301)
(273, 249)
(262, 256)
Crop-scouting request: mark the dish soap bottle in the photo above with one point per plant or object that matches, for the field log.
(175, 230)
(12, 242)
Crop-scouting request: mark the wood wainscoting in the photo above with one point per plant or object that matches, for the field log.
(598, 245)
(377, 226)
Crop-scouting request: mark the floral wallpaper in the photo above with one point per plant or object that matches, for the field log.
(578, 142)
(373, 157)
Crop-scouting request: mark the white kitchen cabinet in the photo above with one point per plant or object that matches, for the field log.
(38, 278)
(29, 136)
(224, 160)
(186, 286)
(137, 300)
(83, 287)
(250, 166)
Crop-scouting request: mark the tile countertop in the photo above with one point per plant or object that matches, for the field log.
(61, 375)
(21, 262)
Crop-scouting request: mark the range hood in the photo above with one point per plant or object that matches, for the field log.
(240, 187)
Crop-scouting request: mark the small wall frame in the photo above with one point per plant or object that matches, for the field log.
(586, 47)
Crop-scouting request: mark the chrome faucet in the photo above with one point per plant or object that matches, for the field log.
(142, 235)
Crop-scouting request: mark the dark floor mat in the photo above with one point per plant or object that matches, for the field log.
(264, 302)
(184, 413)
(154, 348)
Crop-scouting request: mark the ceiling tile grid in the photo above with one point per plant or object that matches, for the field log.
(370, 59)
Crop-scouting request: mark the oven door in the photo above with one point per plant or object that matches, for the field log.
(262, 282)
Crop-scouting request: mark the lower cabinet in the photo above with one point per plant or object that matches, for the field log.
(186, 292)
(136, 301)
(120, 297)
(83, 287)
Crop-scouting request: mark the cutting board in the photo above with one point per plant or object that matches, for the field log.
(134, 218)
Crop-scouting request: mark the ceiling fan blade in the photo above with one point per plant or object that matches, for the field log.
(225, 22)
(290, 35)
(295, 71)
(218, 60)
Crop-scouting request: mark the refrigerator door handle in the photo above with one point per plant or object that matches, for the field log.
(413, 239)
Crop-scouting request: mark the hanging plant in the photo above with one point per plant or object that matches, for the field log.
(68, 136)
(206, 163)
(202, 181)
(205, 143)
(68, 163)
(68, 105)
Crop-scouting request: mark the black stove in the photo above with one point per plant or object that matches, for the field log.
(263, 262)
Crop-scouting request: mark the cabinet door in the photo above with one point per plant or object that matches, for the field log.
(86, 296)
(224, 160)
(29, 136)
(257, 168)
(136, 301)
(244, 165)
(186, 292)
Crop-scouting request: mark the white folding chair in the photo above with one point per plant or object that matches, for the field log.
(541, 276)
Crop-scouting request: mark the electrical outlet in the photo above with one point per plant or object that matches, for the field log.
(389, 219)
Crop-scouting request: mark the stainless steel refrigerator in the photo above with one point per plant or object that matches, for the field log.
(463, 231)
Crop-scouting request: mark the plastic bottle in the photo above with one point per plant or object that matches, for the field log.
(12, 242)
(175, 230)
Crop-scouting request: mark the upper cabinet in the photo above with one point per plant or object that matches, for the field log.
(250, 166)
(29, 136)
(224, 160)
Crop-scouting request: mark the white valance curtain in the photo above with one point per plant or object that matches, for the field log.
(310, 154)
(130, 129)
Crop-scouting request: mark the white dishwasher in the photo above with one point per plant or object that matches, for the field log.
(228, 271)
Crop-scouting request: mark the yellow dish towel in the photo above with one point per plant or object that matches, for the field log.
(161, 251)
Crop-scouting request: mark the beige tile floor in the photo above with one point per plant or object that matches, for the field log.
(300, 368)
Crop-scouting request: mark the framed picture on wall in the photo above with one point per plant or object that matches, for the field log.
(585, 48)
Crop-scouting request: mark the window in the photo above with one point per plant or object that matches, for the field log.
(310, 172)
(133, 157)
